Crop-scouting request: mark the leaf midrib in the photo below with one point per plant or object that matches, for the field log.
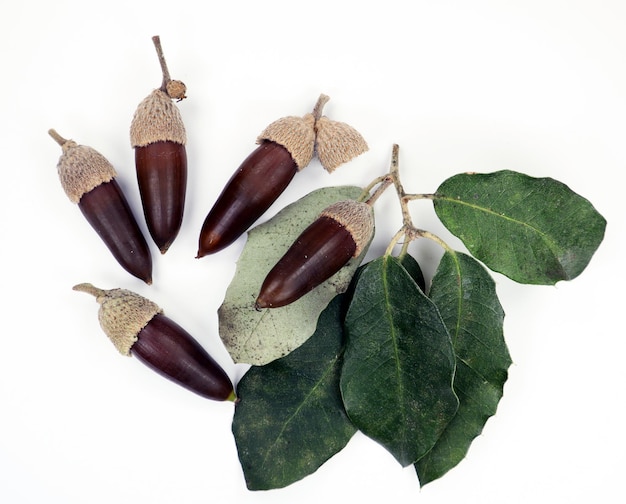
(317, 385)
(545, 238)
(394, 340)
(458, 318)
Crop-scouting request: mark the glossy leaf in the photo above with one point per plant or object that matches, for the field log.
(466, 297)
(396, 379)
(291, 418)
(258, 337)
(533, 230)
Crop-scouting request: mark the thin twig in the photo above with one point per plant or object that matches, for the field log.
(386, 181)
(395, 171)
(411, 197)
(408, 230)
(435, 238)
(366, 191)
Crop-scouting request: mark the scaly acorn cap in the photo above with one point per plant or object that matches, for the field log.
(337, 143)
(356, 217)
(157, 119)
(81, 168)
(296, 134)
(122, 314)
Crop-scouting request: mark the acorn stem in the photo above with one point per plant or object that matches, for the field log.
(58, 138)
(166, 74)
(319, 106)
(90, 289)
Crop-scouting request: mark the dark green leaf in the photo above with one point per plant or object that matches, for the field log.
(396, 379)
(533, 230)
(413, 268)
(466, 297)
(258, 337)
(291, 418)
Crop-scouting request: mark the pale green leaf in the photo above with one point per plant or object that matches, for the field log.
(258, 337)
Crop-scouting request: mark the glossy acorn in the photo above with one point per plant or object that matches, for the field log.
(88, 179)
(286, 146)
(138, 327)
(158, 135)
(340, 233)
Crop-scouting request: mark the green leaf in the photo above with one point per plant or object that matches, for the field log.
(258, 337)
(533, 230)
(291, 419)
(396, 379)
(466, 297)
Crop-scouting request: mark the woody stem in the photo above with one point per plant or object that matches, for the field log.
(156, 40)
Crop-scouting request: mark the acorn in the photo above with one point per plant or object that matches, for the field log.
(157, 134)
(340, 233)
(88, 179)
(286, 146)
(137, 326)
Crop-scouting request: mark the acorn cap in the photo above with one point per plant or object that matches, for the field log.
(157, 119)
(296, 134)
(356, 217)
(122, 314)
(337, 143)
(81, 168)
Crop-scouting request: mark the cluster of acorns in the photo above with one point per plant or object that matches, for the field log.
(135, 324)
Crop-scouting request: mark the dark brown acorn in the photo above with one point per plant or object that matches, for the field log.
(89, 180)
(286, 147)
(340, 233)
(258, 182)
(137, 327)
(157, 134)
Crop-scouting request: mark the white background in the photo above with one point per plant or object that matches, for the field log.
(537, 86)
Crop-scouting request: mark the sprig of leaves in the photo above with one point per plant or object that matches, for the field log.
(418, 370)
